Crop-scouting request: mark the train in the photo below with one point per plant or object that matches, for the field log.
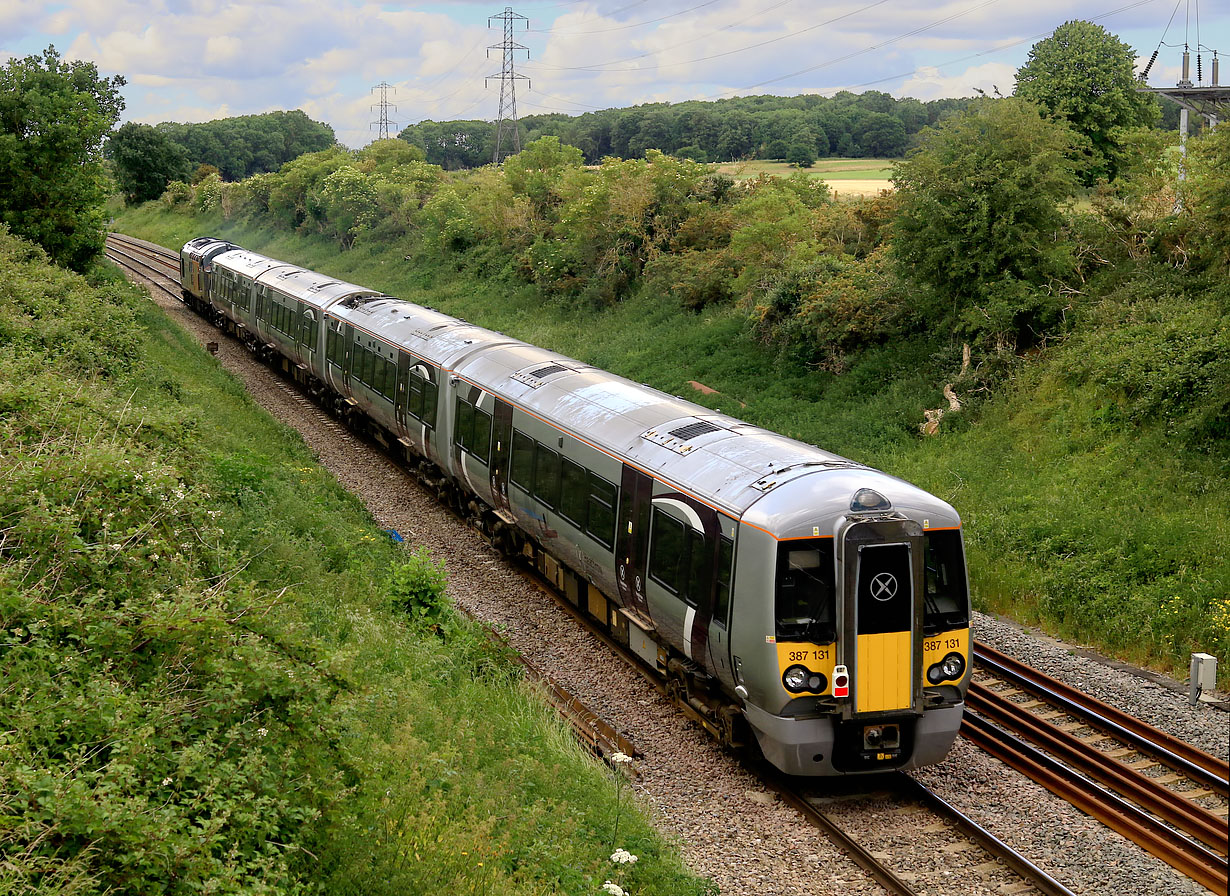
(793, 601)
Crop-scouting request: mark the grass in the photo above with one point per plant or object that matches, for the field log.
(1097, 526)
(183, 584)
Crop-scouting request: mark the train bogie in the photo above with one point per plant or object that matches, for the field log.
(786, 594)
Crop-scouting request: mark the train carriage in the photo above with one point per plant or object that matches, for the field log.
(787, 595)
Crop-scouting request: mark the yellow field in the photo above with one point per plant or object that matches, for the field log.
(845, 177)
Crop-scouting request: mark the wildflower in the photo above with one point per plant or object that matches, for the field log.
(262, 731)
(166, 781)
(623, 857)
(620, 758)
(613, 889)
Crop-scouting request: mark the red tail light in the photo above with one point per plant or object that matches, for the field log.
(841, 682)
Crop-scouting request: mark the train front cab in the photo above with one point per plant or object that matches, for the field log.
(195, 267)
(872, 649)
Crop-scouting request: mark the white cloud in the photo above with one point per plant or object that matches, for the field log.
(188, 59)
(929, 84)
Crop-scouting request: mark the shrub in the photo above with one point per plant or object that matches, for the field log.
(418, 588)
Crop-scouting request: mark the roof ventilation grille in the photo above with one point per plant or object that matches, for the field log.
(542, 372)
(692, 430)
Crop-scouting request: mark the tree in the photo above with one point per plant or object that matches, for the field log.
(250, 144)
(979, 220)
(145, 161)
(53, 118)
(880, 135)
(802, 151)
(1083, 74)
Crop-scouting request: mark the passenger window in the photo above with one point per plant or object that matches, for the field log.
(463, 423)
(573, 493)
(667, 545)
(431, 394)
(522, 470)
(422, 400)
(472, 430)
(699, 565)
(481, 446)
(546, 475)
(600, 519)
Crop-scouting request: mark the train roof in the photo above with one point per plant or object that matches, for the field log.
(725, 461)
(313, 289)
(203, 246)
(249, 264)
(443, 340)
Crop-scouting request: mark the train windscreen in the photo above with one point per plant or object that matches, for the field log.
(945, 600)
(806, 596)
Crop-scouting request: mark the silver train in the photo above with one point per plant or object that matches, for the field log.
(786, 594)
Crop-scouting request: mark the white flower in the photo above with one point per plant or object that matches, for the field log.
(613, 889)
(262, 731)
(622, 857)
(166, 781)
(620, 758)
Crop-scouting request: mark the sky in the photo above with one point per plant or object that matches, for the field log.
(199, 60)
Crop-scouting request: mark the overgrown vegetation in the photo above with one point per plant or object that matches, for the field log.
(219, 675)
(839, 323)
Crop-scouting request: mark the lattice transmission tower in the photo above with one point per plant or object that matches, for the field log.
(384, 105)
(507, 119)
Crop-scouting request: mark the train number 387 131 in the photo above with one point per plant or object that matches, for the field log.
(942, 644)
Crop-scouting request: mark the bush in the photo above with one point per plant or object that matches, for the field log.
(418, 588)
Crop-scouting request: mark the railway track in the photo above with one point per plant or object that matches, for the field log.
(161, 268)
(906, 807)
(1097, 758)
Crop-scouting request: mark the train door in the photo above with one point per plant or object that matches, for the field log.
(719, 623)
(401, 396)
(501, 454)
(882, 569)
(347, 355)
(632, 539)
(262, 293)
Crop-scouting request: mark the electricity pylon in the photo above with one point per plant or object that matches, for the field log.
(507, 119)
(384, 109)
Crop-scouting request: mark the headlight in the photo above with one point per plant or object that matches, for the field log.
(952, 665)
(795, 678)
(949, 668)
(800, 678)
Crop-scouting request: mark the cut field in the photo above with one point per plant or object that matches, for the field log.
(845, 177)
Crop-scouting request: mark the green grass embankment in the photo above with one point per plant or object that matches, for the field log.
(1086, 511)
(210, 681)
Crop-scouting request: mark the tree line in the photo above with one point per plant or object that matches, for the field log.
(982, 238)
(799, 129)
(147, 158)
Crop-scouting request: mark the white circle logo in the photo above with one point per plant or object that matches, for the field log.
(884, 586)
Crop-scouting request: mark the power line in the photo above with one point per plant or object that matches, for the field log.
(606, 66)
(672, 15)
(996, 49)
